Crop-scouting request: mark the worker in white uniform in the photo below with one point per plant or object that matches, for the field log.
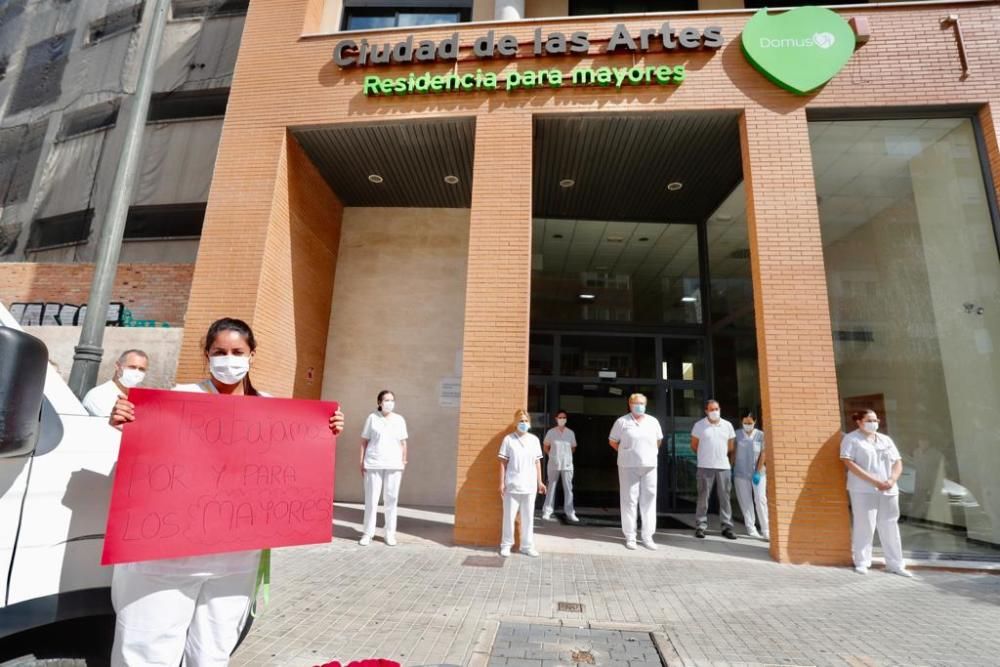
(383, 458)
(130, 371)
(637, 438)
(873, 468)
(713, 439)
(750, 477)
(560, 443)
(520, 481)
(191, 609)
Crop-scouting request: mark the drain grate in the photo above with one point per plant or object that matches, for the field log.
(483, 561)
(574, 607)
(544, 645)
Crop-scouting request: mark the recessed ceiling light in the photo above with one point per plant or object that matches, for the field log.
(557, 236)
(723, 217)
(567, 183)
(451, 180)
(588, 297)
(615, 239)
(689, 299)
(643, 239)
(674, 186)
(375, 178)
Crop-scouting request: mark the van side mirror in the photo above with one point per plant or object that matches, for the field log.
(23, 364)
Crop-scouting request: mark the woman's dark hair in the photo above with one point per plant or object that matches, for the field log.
(244, 330)
(382, 394)
(751, 415)
(859, 415)
(562, 412)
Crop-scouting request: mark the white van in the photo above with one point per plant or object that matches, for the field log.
(53, 509)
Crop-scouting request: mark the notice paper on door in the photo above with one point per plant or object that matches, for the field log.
(202, 473)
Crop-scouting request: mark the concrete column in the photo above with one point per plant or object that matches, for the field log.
(806, 481)
(497, 304)
(508, 10)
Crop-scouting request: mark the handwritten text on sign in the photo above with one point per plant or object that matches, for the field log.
(202, 473)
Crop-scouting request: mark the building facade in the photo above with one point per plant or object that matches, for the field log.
(552, 205)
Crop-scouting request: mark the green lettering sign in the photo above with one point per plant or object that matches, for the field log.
(799, 50)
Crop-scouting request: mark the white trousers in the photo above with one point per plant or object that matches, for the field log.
(637, 487)
(554, 476)
(164, 618)
(750, 495)
(383, 483)
(513, 503)
(871, 511)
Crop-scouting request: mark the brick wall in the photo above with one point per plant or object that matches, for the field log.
(283, 80)
(497, 305)
(151, 291)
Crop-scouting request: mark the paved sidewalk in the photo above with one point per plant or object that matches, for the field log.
(709, 602)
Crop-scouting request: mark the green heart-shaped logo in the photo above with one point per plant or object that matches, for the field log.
(799, 50)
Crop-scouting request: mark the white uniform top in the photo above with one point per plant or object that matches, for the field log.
(713, 443)
(874, 458)
(213, 564)
(100, 400)
(521, 451)
(561, 448)
(636, 440)
(385, 435)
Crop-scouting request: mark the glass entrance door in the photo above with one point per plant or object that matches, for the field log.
(685, 403)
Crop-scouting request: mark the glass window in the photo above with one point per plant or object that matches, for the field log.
(370, 18)
(625, 356)
(683, 359)
(541, 354)
(593, 271)
(595, 7)
(913, 276)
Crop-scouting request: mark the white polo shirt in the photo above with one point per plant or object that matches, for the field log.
(561, 446)
(100, 400)
(636, 440)
(521, 451)
(713, 443)
(874, 458)
(385, 435)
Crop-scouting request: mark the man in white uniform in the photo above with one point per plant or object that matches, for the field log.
(130, 370)
(713, 439)
(637, 438)
(559, 444)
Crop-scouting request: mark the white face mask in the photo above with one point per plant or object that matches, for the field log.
(561, 421)
(388, 406)
(714, 415)
(748, 428)
(869, 427)
(131, 377)
(229, 369)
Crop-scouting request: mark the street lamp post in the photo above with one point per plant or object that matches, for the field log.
(87, 354)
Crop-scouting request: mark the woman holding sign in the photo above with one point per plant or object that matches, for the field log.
(191, 609)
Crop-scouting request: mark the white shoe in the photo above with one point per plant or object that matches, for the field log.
(630, 544)
(530, 551)
(390, 541)
(546, 516)
(860, 569)
(365, 540)
(752, 532)
(572, 518)
(505, 552)
(650, 544)
(903, 572)
(766, 537)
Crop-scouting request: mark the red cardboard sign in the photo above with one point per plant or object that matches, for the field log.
(200, 473)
